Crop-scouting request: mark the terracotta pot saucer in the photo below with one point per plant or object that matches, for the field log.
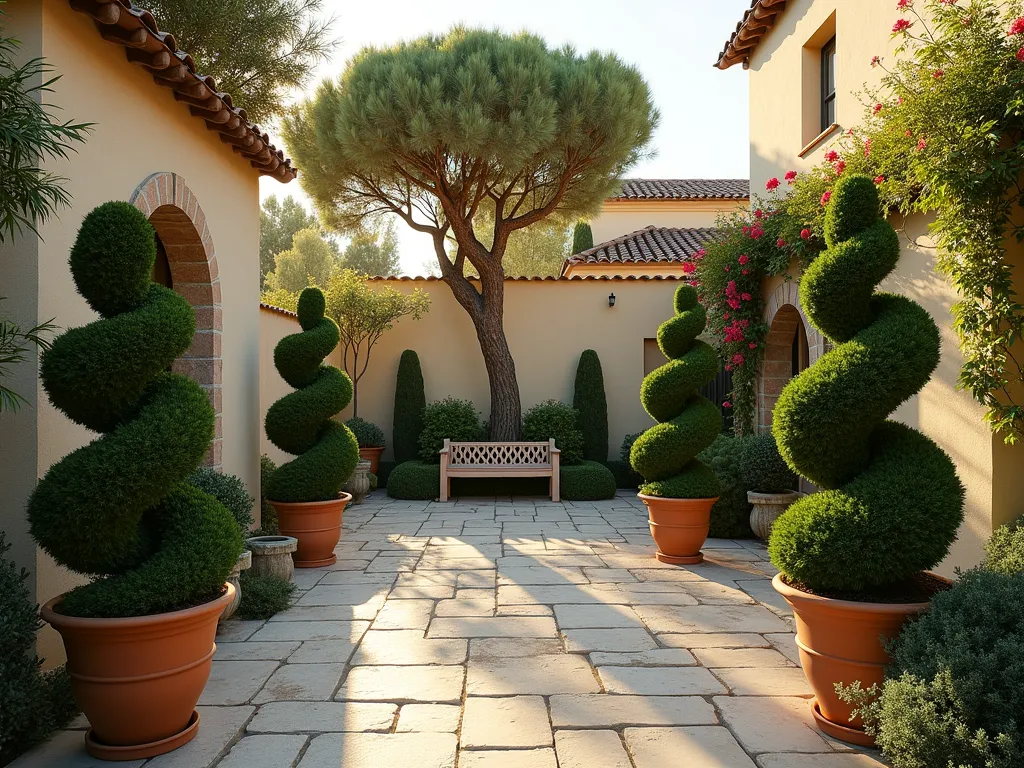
(142, 751)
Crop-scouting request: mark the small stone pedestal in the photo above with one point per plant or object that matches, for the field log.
(272, 555)
(359, 484)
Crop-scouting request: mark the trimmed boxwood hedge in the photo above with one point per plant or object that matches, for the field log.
(730, 516)
(368, 434)
(552, 419)
(586, 481)
(410, 401)
(764, 470)
(230, 491)
(415, 481)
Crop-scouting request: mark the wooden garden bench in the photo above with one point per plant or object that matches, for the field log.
(513, 459)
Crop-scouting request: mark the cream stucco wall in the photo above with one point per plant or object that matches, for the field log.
(139, 130)
(989, 470)
(618, 217)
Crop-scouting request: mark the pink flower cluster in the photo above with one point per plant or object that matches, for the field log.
(771, 184)
(1017, 28)
(791, 177)
(901, 25)
(826, 197)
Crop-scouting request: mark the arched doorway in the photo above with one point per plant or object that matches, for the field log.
(186, 261)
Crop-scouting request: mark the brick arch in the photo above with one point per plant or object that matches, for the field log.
(176, 215)
(784, 317)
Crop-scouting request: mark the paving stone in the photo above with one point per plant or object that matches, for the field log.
(603, 710)
(703, 746)
(596, 616)
(66, 749)
(477, 579)
(254, 651)
(541, 675)
(237, 630)
(468, 606)
(424, 592)
(780, 681)
(218, 727)
(772, 724)
(311, 630)
(659, 657)
(393, 683)
(512, 758)
(322, 716)
(540, 575)
(713, 640)
(580, 594)
(763, 591)
(336, 594)
(404, 614)
(468, 564)
(235, 682)
(588, 640)
(323, 652)
(710, 618)
(301, 682)
(429, 718)
(492, 627)
(407, 647)
(518, 721)
(371, 750)
(590, 749)
(525, 610)
(785, 643)
(789, 760)
(496, 648)
(609, 575)
(277, 751)
(667, 681)
(360, 613)
(741, 657)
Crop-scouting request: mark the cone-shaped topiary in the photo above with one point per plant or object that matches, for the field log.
(590, 401)
(410, 401)
(300, 422)
(891, 502)
(118, 507)
(582, 237)
(666, 454)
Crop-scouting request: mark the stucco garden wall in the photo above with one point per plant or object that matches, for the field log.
(618, 218)
(140, 130)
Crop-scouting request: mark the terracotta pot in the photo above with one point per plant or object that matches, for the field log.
(359, 484)
(679, 527)
(242, 564)
(371, 455)
(841, 641)
(316, 525)
(766, 510)
(138, 679)
(272, 555)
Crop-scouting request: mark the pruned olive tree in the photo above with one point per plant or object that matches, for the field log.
(443, 128)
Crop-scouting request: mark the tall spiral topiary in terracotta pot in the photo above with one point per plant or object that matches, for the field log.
(139, 638)
(679, 490)
(305, 491)
(852, 555)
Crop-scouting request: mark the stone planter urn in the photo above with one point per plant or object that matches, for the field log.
(767, 508)
(243, 563)
(272, 555)
(359, 484)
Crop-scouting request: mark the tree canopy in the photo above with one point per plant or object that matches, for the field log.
(256, 50)
(373, 251)
(279, 221)
(311, 259)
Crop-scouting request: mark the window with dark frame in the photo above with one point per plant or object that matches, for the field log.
(828, 84)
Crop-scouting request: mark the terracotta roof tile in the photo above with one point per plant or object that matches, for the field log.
(650, 245)
(683, 189)
(122, 23)
(756, 22)
(278, 310)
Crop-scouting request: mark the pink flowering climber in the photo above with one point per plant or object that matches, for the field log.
(938, 73)
(737, 359)
(831, 156)
(826, 197)
(745, 296)
(790, 177)
(921, 144)
(878, 108)
(689, 267)
(840, 167)
(780, 243)
(756, 231)
(867, 147)
(743, 259)
(879, 179)
(876, 60)
(772, 183)
(1020, 54)
(901, 25)
(1017, 27)
(726, 403)
(805, 234)
(904, 4)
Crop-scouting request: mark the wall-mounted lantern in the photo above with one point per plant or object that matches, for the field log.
(611, 299)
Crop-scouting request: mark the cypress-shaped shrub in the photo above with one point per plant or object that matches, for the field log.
(117, 508)
(891, 502)
(268, 515)
(300, 422)
(410, 401)
(666, 453)
(552, 419)
(582, 237)
(592, 406)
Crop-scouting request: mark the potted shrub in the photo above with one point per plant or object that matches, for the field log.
(305, 491)
(853, 556)
(140, 637)
(370, 438)
(771, 482)
(678, 489)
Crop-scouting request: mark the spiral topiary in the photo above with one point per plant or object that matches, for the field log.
(666, 454)
(891, 502)
(300, 422)
(118, 507)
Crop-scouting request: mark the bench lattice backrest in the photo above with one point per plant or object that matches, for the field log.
(499, 454)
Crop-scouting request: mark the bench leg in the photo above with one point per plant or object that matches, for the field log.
(555, 487)
(445, 487)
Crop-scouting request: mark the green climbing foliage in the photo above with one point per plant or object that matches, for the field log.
(410, 401)
(666, 453)
(300, 422)
(891, 501)
(590, 402)
(117, 508)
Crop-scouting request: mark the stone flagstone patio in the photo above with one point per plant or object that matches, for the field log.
(508, 633)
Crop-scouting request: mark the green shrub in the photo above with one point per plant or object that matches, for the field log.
(730, 516)
(263, 595)
(627, 447)
(586, 481)
(763, 468)
(592, 406)
(409, 404)
(552, 419)
(666, 454)
(300, 422)
(1004, 552)
(117, 507)
(268, 515)
(32, 704)
(384, 471)
(455, 420)
(891, 502)
(229, 491)
(625, 477)
(415, 481)
(582, 237)
(955, 693)
(374, 482)
(368, 434)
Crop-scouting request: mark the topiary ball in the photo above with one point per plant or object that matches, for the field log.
(368, 434)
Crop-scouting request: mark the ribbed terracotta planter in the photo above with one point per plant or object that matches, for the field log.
(317, 527)
(679, 527)
(138, 679)
(371, 455)
(841, 641)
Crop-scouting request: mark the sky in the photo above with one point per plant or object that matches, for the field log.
(674, 43)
